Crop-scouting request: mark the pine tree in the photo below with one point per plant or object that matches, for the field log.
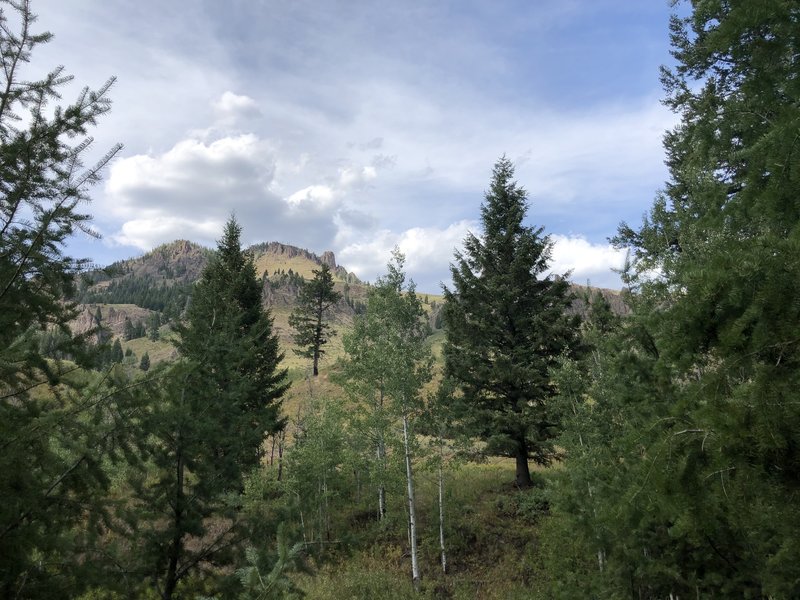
(219, 405)
(129, 332)
(506, 326)
(144, 364)
(695, 488)
(312, 331)
(55, 439)
(153, 323)
(116, 352)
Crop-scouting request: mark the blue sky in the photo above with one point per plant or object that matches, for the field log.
(360, 125)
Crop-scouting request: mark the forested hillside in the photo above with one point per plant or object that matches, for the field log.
(258, 423)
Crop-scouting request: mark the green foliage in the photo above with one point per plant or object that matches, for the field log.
(56, 428)
(145, 291)
(208, 422)
(269, 579)
(144, 363)
(387, 363)
(312, 332)
(685, 443)
(506, 326)
(322, 470)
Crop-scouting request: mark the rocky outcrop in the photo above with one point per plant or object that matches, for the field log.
(328, 259)
(286, 251)
(112, 317)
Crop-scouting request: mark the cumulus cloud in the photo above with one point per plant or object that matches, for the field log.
(587, 261)
(189, 191)
(355, 177)
(231, 107)
(192, 188)
(428, 251)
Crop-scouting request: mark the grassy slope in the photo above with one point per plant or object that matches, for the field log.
(491, 537)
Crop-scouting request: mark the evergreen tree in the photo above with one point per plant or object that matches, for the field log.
(116, 352)
(55, 439)
(694, 491)
(220, 403)
(312, 332)
(144, 364)
(506, 326)
(153, 323)
(129, 332)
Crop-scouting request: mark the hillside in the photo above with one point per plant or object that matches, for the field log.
(161, 281)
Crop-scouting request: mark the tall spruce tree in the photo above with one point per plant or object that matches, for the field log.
(506, 326)
(218, 406)
(706, 454)
(312, 331)
(54, 437)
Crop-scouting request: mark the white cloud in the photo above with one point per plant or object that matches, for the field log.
(189, 190)
(313, 197)
(587, 261)
(231, 107)
(148, 233)
(355, 177)
(192, 188)
(428, 251)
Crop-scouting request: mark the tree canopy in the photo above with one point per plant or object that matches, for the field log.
(506, 325)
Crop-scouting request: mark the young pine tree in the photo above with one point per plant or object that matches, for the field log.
(506, 326)
(312, 331)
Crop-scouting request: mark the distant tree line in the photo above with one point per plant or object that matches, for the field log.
(146, 292)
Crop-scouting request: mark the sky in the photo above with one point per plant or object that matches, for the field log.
(357, 126)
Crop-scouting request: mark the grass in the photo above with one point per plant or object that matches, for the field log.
(298, 264)
(491, 536)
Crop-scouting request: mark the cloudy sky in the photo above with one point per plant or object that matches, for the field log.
(358, 125)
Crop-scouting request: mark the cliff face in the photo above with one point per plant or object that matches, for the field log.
(112, 317)
(180, 261)
(272, 255)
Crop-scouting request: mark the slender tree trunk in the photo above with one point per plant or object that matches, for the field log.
(280, 453)
(176, 548)
(412, 514)
(381, 451)
(523, 473)
(441, 509)
(381, 487)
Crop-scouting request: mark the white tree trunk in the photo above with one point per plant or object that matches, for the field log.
(441, 513)
(412, 515)
(381, 451)
(381, 487)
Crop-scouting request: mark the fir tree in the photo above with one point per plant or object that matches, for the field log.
(53, 441)
(506, 326)
(312, 331)
(144, 364)
(153, 324)
(116, 352)
(702, 387)
(129, 332)
(220, 404)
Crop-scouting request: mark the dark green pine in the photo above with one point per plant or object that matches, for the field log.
(506, 325)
